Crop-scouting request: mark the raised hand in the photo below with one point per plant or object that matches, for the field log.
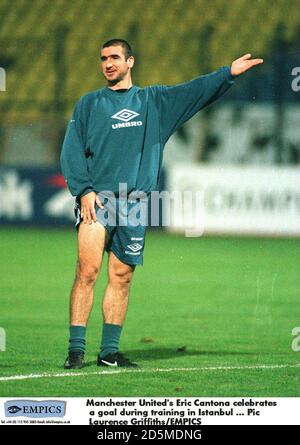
(243, 64)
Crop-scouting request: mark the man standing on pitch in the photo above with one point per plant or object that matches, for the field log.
(116, 136)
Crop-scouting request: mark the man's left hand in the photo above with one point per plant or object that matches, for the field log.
(243, 64)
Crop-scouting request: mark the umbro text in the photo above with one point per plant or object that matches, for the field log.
(127, 124)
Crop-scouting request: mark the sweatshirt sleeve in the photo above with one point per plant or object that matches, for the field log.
(180, 102)
(73, 160)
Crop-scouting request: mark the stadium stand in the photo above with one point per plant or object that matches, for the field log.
(61, 40)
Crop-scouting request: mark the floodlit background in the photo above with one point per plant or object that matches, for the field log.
(228, 297)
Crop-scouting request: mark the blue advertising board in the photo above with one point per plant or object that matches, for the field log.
(38, 196)
(34, 196)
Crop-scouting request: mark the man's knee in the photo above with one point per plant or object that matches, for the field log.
(87, 273)
(121, 276)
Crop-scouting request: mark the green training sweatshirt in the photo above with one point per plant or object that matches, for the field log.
(118, 137)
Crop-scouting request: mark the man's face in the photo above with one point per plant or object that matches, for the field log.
(114, 66)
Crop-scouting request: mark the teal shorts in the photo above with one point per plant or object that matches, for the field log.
(125, 221)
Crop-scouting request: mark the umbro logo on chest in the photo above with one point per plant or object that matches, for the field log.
(126, 116)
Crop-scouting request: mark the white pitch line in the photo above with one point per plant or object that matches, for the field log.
(149, 370)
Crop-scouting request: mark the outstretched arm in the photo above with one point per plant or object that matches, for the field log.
(180, 102)
(243, 64)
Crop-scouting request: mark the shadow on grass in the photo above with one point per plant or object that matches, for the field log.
(166, 353)
(170, 353)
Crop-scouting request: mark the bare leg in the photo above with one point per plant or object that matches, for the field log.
(91, 243)
(115, 300)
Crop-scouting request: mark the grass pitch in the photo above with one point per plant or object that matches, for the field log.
(205, 316)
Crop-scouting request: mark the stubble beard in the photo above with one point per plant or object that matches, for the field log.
(118, 79)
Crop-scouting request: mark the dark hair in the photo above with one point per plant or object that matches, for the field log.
(120, 42)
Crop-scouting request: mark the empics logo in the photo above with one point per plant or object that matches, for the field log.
(125, 116)
(32, 408)
(14, 409)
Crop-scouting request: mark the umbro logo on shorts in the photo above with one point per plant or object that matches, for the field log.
(134, 247)
(125, 116)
